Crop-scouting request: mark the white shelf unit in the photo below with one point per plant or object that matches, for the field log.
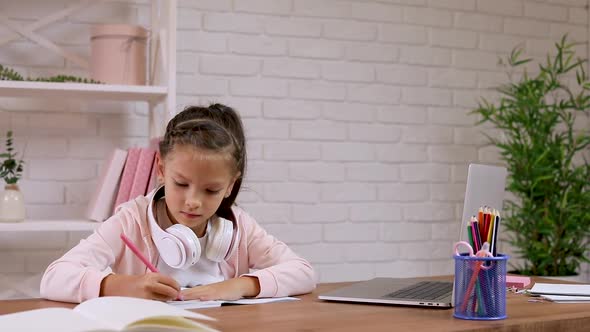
(160, 94)
(83, 91)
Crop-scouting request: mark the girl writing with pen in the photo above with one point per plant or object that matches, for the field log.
(188, 229)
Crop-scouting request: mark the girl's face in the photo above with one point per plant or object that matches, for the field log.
(196, 181)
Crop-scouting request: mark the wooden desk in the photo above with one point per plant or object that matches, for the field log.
(311, 314)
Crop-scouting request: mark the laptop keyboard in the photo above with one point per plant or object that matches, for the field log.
(426, 290)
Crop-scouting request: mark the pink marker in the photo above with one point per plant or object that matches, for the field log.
(139, 255)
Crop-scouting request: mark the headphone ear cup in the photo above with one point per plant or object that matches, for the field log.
(190, 243)
(171, 250)
(220, 239)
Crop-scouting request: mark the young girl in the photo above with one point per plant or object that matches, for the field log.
(189, 229)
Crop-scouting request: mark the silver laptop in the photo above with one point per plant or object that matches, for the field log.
(485, 186)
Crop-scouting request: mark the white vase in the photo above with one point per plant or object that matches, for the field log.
(12, 204)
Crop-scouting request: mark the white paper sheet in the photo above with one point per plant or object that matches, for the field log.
(561, 289)
(567, 299)
(197, 304)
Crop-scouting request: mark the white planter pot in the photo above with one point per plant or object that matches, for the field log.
(12, 204)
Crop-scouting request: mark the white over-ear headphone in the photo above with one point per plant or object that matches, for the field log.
(178, 245)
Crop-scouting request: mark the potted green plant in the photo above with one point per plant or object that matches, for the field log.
(548, 218)
(11, 201)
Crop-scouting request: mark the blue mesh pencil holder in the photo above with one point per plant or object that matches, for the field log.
(480, 287)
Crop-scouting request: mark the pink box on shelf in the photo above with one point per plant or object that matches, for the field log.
(118, 54)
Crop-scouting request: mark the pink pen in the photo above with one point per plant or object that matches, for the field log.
(139, 255)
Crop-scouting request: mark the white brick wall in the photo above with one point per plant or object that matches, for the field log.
(355, 111)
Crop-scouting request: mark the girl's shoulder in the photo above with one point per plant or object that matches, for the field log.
(243, 218)
(133, 213)
(239, 213)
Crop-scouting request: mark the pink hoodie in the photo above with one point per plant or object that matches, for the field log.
(77, 275)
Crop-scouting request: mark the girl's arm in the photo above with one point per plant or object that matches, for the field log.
(77, 275)
(231, 289)
(280, 271)
(152, 286)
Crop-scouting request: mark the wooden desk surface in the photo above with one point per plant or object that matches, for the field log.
(311, 314)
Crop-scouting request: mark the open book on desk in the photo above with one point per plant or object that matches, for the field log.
(107, 314)
(198, 304)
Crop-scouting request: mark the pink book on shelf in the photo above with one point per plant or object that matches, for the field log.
(101, 203)
(128, 176)
(153, 177)
(142, 172)
(153, 183)
(155, 143)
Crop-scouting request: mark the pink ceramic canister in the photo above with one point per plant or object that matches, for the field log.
(118, 54)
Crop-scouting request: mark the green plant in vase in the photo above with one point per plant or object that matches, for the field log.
(11, 168)
(548, 221)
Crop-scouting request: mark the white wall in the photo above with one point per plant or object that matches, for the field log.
(356, 114)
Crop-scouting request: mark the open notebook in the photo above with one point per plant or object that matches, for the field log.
(107, 314)
(485, 186)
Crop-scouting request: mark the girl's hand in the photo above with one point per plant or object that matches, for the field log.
(231, 289)
(153, 286)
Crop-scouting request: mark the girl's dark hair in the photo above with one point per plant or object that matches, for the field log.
(217, 128)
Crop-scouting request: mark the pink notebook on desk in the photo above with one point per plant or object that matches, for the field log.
(517, 281)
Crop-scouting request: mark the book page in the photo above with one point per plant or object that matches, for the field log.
(195, 304)
(119, 312)
(50, 319)
(262, 300)
(166, 324)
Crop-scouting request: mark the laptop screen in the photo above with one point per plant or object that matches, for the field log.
(485, 187)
